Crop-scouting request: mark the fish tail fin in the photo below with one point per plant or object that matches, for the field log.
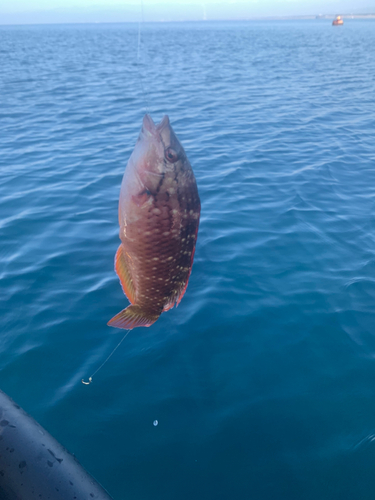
(131, 317)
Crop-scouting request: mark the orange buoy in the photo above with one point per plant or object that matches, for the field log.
(338, 21)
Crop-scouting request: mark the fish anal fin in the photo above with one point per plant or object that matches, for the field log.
(183, 290)
(182, 293)
(124, 275)
(169, 304)
(132, 317)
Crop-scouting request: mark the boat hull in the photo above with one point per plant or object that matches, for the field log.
(34, 466)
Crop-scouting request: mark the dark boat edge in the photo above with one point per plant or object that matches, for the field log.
(33, 465)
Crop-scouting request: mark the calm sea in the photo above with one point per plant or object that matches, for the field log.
(263, 380)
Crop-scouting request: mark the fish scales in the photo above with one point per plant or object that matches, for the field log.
(159, 212)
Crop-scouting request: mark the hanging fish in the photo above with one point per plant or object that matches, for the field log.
(159, 211)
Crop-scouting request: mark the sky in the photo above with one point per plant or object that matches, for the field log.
(76, 11)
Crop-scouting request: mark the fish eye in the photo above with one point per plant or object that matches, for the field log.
(171, 155)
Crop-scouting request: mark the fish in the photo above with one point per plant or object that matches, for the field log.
(159, 212)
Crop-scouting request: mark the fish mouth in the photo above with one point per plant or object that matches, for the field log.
(164, 123)
(149, 126)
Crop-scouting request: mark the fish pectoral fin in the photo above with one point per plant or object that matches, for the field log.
(131, 317)
(124, 275)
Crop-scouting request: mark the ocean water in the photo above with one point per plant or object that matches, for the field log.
(262, 380)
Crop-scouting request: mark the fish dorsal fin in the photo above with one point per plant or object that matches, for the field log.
(124, 275)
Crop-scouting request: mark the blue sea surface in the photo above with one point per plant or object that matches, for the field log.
(263, 379)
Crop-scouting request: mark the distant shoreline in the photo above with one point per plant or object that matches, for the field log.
(319, 17)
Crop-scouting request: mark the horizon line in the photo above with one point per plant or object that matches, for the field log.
(306, 17)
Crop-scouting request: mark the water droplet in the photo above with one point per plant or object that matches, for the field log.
(155, 422)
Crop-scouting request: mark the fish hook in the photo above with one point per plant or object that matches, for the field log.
(104, 362)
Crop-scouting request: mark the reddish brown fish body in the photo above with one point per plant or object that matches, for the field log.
(159, 213)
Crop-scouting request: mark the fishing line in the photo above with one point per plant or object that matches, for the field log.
(143, 89)
(104, 362)
(145, 97)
